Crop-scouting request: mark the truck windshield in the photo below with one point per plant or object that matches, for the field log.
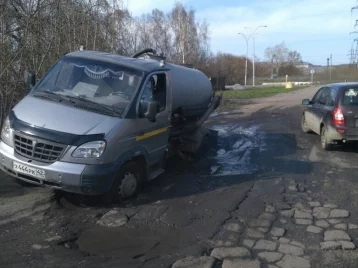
(103, 84)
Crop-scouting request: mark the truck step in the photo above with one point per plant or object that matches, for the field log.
(155, 173)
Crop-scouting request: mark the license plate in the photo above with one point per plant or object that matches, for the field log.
(34, 172)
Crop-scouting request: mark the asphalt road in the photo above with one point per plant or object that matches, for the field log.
(213, 206)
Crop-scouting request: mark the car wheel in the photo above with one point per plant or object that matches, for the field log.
(304, 126)
(325, 142)
(126, 183)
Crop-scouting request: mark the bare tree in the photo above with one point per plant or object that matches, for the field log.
(279, 56)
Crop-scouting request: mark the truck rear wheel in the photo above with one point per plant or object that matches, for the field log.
(126, 183)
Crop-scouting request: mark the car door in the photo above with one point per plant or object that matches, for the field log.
(319, 109)
(155, 135)
(330, 105)
(310, 110)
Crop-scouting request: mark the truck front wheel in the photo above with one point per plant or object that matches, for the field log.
(126, 182)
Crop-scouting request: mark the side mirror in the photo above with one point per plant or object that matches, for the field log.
(152, 111)
(306, 102)
(31, 81)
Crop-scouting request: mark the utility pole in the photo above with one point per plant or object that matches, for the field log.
(330, 69)
(247, 55)
(253, 58)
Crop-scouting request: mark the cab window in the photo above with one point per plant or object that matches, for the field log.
(154, 90)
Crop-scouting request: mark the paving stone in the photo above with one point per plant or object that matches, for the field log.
(284, 240)
(287, 213)
(270, 256)
(334, 221)
(289, 261)
(334, 235)
(300, 214)
(339, 213)
(352, 226)
(265, 245)
(328, 245)
(347, 245)
(267, 216)
(291, 250)
(314, 204)
(299, 205)
(314, 229)
(270, 209)
(113, 218)
(321, 212)
(233, 227)
(274, 238)
(309, 191)
(221, 243)
(36, 246)
(278, 231)
(240, 263)
(330, 206)
(309, 198)
(298, 244)
(303, 221)
(282, 206)
(272, 266)
(230, 252)
(293, 188)
(283, 221)
(195, 262)
(53, 238)
(248, 243)
(261, 223)
(342, 226)
(322, 223)
(264, 230)
(254, 233)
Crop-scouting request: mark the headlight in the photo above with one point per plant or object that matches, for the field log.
(5, 132)
(93, 149)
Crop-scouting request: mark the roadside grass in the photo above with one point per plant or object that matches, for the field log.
(258, 92)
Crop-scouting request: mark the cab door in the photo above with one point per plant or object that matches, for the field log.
(154, 136)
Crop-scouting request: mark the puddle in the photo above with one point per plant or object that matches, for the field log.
(236, 147)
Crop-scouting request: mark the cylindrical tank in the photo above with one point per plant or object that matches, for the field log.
(191, 91)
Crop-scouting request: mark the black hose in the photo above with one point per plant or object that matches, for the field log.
(136, 55)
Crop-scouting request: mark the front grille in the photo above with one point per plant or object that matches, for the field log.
(37, 149)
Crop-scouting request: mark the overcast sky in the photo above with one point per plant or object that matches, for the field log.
(315, 28)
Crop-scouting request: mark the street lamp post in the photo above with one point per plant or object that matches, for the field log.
(253, 59)
(247, 55)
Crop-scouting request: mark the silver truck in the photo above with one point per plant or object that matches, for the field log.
(102, 124)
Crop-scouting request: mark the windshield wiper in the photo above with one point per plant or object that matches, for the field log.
(95, 103)
(53, 94)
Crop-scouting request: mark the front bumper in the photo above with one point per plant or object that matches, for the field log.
(69, 177)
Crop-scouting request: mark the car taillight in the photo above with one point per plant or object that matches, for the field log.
(338, 117)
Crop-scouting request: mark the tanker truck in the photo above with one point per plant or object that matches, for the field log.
(102, 124)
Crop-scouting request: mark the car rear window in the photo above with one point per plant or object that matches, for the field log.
(350, 96)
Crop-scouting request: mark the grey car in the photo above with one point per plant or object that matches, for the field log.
(333, 114)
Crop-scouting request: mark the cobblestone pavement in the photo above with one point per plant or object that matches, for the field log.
(267, 240)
